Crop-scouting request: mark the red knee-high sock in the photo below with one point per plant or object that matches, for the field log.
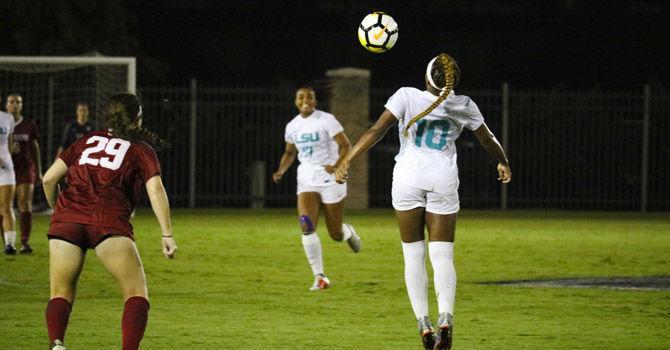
(57, 315)
(26, 226)
(134, 322)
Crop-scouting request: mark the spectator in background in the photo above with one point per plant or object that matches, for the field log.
(27, 166)
(76, 129)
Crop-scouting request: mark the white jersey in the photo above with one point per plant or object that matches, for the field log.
(427, 156)
(313, 136)
(6, 129)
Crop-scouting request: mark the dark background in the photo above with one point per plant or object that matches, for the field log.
(569, 44)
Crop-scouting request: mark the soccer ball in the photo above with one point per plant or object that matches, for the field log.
(378, 32)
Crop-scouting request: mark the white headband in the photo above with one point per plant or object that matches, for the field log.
(430, 76)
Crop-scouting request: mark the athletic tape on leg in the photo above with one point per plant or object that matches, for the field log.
(306, 224)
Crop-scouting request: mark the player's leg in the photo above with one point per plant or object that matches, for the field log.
(333, 209)
(8, 219)
(409, 204)
(65, 263)
(308, 215)
(24, 197)
(120, 257)
(411, 225)
(333, 213)
(441, 215)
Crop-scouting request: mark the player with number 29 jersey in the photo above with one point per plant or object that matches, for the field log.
(105, 177)
(427, 158)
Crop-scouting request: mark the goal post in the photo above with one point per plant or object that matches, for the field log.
(51, 86)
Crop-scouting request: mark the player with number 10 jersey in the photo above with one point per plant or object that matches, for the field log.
(424, 192)
(427, 156)
(105, 178)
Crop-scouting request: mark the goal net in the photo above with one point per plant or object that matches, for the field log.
(52, 86)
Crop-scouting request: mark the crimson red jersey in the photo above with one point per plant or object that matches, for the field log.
(105, 178)
(25, 132)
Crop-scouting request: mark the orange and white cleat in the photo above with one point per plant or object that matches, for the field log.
(320, 282)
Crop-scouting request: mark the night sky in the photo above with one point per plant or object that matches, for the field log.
(568, 44)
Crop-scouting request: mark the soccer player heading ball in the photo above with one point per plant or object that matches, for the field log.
(105, 171)
(318, 139)
(425, 184)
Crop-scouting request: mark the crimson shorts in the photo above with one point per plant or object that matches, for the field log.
(83, 236)
(25, 175)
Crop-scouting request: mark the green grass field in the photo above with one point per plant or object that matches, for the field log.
(240, 281)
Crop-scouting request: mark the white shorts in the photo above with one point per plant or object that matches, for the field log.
(330, 194)
(7, 176)
(406, 197)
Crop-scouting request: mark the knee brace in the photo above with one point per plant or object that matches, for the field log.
(306, 224)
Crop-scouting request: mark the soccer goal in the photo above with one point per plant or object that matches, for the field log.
(52, 86)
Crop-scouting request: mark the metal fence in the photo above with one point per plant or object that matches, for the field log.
(567, 150)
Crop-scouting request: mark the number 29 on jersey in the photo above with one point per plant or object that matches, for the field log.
(114, 152)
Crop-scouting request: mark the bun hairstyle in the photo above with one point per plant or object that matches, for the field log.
(120, 116)
(442, 73)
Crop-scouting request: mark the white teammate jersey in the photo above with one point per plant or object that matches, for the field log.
(6, 128)
(427, 156)
(314, 138)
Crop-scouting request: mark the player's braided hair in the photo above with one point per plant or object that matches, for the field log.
(442, 71)
(120, 114)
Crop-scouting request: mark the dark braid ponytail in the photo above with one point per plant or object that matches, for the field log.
(120, 116)
(442, 71)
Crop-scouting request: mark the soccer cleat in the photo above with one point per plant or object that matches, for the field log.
(426, 332)
(354, 241)
(26, 248)
(320, 282)
(445, 324)
(57, 345)
(9, 250)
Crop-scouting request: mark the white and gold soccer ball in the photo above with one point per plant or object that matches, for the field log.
(378, 32)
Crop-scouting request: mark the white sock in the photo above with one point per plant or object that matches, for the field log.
(442, 259)
(312, 246)
(416, 278)
(10, 238)
(346, 232)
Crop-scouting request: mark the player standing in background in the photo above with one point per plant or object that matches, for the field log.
(425, 184)
(106, 171)
(76, 129)
(318, 139)
(7, 182)
(27, 166)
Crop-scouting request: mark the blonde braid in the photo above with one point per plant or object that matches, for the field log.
(449, 66)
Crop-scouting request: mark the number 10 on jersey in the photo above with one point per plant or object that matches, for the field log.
(429, 128)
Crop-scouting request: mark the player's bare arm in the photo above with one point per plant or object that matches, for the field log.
(14, 147)
(343, 149)
(38, 160)
(50, 181)
(286, 160)
(492, 146)
(161, 207)
(369, 138)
